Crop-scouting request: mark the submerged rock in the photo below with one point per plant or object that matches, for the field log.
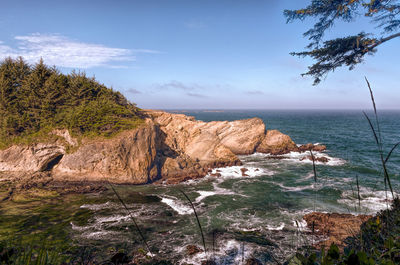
(312, 147)
(322, 159)
(244, 170)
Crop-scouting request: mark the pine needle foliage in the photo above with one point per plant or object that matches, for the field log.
(346, 51)
(35, 99)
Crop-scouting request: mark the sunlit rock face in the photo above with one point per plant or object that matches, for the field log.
(168, 147)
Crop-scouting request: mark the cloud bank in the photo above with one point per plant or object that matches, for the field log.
(61, 51)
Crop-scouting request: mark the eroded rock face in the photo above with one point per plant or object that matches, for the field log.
(169, 147)
(337, 227)
(131, 157)
(30, 159)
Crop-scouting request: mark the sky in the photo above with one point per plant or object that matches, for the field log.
(188, 54)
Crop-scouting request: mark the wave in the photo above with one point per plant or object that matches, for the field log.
(299, 188)
(236, 172)
(301, 157)
(97, 207)
(229, 251)
(177, 205)
(276, 228)
(371, 201)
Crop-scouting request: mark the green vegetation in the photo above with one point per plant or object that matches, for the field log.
(34, 100)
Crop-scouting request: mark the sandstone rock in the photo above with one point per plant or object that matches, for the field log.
(337, 227)
(319, 148)
(67, 136)
(276, 143)
(38, 157)
(312, 147)
(168, 147)
(131, 157)
(244, 170)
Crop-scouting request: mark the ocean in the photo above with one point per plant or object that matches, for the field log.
(260, 214)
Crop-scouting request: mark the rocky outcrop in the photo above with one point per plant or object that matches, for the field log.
(321, 159)
(335, 227)
(34, 158)
(168, 147)
(276, 143)
(131, 157)
(312, 147)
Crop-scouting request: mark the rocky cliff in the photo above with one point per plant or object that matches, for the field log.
(168, 147)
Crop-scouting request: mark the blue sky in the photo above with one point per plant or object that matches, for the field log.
(188, 54)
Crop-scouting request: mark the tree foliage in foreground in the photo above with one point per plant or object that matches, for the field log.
(37, 98)
(347, 51)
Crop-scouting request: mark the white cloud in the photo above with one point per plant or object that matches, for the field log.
(61, 51)
(178, 85)
(196, 95)
(133, 91)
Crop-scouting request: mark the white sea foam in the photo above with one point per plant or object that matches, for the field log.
(99, 235)
(298, 156)
(112, 219)
(204, 194)
(301, 225)
(235, 172)
(302, 158)
(176, 205)
(371, 201)
(307, 177)
(298, 188)
(276, 228)
(97, 207)
(230, 251)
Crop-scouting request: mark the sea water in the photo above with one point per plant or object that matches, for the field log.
(259, 214)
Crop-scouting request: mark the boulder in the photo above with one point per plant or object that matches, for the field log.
(244, 170)
(321, 159)
(276, 143)
(312, 147)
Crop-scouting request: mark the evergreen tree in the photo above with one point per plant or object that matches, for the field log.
(37, 98)
(349, 50)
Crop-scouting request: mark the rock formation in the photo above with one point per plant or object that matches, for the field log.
(335, 226)
(168, 147)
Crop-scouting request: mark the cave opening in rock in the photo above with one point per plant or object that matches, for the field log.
(51, 163)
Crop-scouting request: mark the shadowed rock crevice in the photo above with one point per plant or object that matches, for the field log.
(51, 163)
